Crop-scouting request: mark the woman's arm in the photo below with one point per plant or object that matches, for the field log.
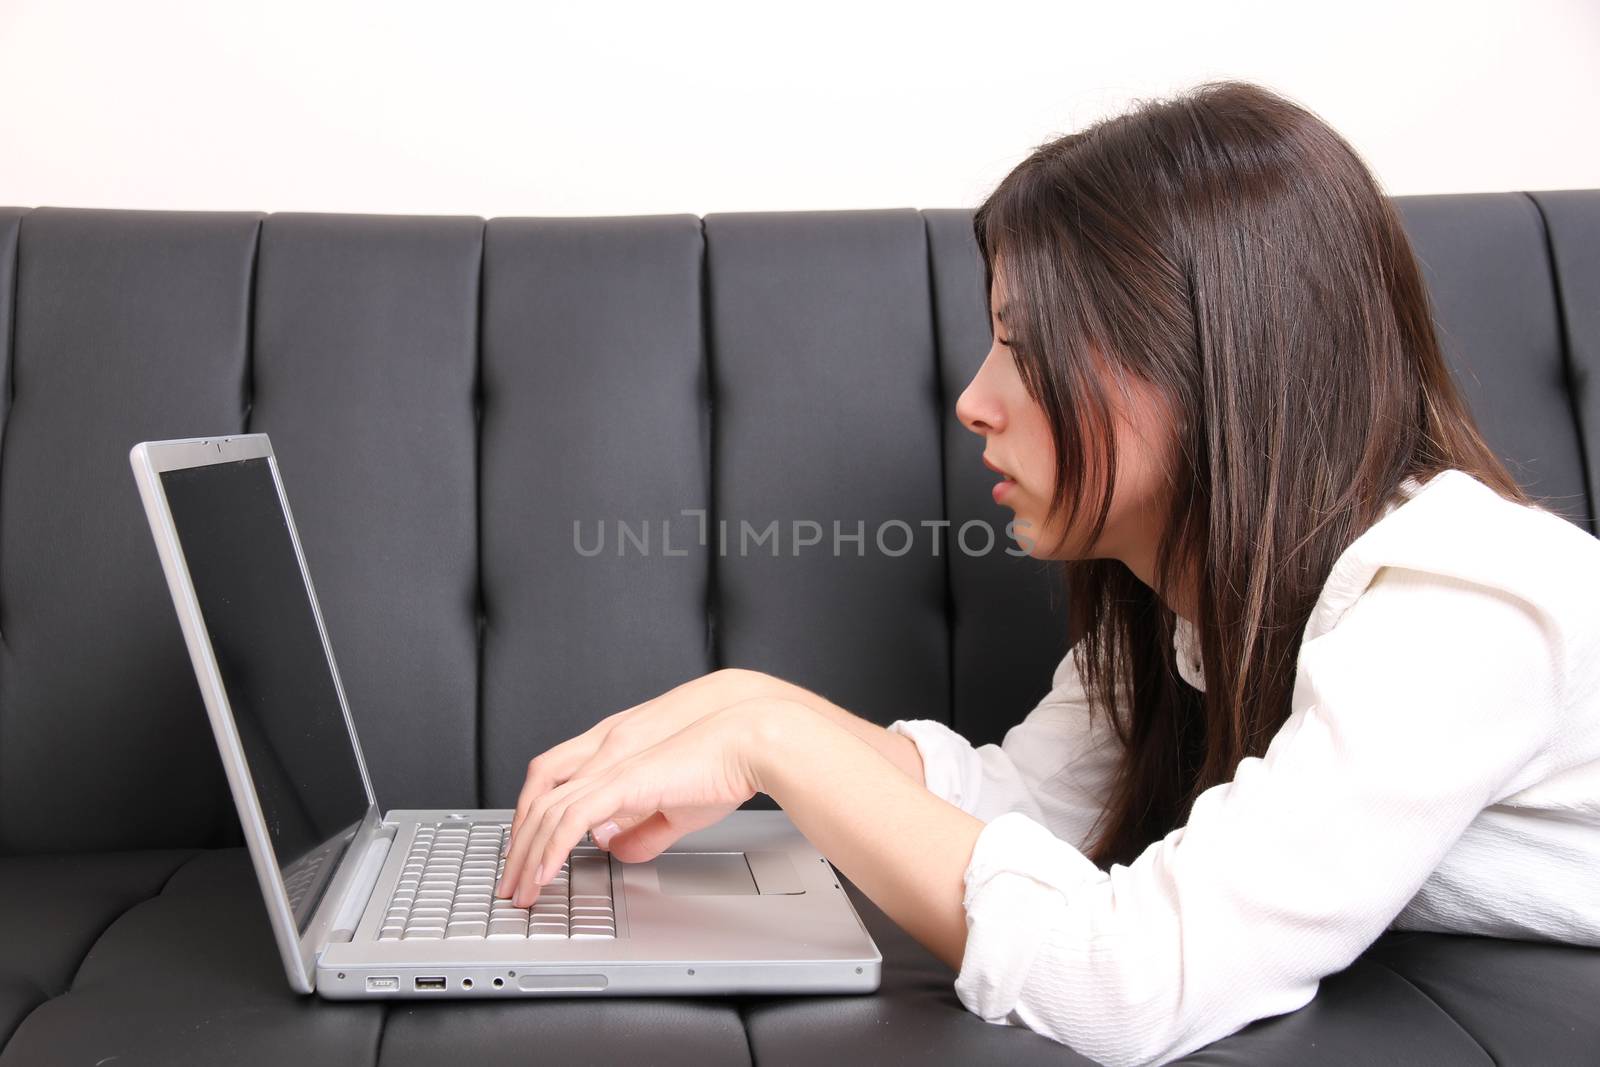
(900, 750)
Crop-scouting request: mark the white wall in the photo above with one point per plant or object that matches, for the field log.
(506, 108)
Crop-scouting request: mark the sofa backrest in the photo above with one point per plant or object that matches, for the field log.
(462, 409)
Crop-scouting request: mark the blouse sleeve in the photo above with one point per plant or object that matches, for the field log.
(1054, 767)
(1433, 698)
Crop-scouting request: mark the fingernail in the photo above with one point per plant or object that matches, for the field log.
(603, 833)
(538, 874)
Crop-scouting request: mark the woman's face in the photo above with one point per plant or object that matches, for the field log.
(1017, 443)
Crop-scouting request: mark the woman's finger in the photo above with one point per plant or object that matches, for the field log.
(556, 817)
(554, 766)
(522, 835)
(619, 825)
(563, 826)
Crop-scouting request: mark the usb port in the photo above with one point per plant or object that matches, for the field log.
(382, 984)
(430, 983)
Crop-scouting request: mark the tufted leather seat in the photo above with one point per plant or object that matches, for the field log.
(453, 402)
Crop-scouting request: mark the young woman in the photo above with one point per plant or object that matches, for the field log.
(1336, 672)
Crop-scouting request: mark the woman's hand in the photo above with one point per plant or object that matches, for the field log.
(689, 780)
(906, 848)
(632, 730)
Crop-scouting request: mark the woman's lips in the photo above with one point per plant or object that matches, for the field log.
(1002, 488)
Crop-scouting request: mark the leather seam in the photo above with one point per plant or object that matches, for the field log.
(11, 374)
(72, 983)
(1569, 372)
(480, 606)
(941, 430)
(1440, 1008)
(383, 1032)
(252, 289)
(43, 999)
(741, 1009)
(713, 634)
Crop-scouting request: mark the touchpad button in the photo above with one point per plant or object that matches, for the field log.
(700, 874)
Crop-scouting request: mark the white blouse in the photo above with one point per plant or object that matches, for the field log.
(1439, 770)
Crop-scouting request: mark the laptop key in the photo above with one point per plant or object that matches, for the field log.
(591, 878)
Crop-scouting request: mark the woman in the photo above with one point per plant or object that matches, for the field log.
(1336, 671)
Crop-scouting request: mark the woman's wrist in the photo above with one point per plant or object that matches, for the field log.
(899, 750)
(766, 729)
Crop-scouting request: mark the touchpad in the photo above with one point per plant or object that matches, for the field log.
(701, 874)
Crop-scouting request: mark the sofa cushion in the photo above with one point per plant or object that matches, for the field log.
(53, 908)
(594, 414)
(1487, 266)
(128, 325)
(822, 347)
(183, 969)
(363, 366)
(1572, 221)
(1522, 1001)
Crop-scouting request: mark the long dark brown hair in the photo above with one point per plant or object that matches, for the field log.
(1228, 247)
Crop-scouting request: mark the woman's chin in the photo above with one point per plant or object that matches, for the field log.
(1024, 535)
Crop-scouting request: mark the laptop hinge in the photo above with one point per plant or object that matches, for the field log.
(355, 901)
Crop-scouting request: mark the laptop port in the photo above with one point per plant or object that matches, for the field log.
(430, 983)
(380, 984)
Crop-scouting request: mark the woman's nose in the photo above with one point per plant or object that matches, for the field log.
(977, 410)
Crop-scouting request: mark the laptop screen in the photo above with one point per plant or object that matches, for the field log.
(257, 610)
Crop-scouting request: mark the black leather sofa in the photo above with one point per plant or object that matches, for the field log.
(447, 397)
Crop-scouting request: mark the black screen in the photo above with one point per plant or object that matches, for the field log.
(257, 611)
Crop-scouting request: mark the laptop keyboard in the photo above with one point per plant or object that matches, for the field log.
(446, 892)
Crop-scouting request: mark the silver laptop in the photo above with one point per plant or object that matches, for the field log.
(367, 903)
